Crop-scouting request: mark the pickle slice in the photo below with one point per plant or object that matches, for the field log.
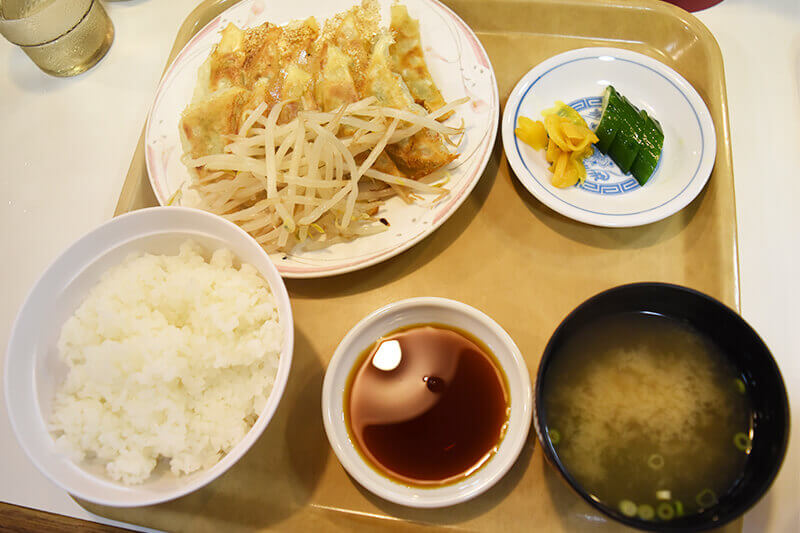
(629, 136)
(610, 121)
(647, 160)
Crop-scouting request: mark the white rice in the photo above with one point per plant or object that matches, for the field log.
(169, 357)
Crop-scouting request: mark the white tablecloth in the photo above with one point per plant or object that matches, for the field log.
(65, 146)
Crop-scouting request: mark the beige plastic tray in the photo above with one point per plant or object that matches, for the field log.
(502, 252)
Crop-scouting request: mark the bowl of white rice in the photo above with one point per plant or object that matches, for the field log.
(149, 357)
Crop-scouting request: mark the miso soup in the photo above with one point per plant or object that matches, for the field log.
(647, 415)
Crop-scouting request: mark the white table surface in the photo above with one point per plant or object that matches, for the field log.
(65, 146)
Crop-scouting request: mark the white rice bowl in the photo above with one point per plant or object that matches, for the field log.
(169, 357)
(35, 370)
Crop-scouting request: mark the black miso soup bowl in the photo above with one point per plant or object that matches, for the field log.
(740, 344)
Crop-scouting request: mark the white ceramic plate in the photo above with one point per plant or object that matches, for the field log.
(460, 67)
(33, 369)
(608, 197)
(419, 311)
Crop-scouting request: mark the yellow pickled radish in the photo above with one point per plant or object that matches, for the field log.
(563, 110)
(531, 133)
(573, 132)
(552, 124)
(552, 151)
(581, 169)
(579, 147)
(568, 178)
(561, 164)
(566, 138)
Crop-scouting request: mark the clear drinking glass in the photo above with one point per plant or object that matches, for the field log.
(63, 37)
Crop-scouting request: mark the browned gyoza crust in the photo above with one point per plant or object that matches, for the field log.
(317, 69)
(408, 60)
(336, 87)
(205, 124)
(422, 153)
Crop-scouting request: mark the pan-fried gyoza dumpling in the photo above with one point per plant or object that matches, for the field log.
(336, 86)
(425, 151)
(223, 68)
(296, 41)
(381, 82)
(262, 55)
(204, 124)
(352, 32)
(408, 60)
(297, 92)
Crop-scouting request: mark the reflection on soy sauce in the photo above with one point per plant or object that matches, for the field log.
(427, 405)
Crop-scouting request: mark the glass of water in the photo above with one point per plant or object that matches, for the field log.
(63, 37)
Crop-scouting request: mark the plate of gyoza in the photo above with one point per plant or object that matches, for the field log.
(337, 134)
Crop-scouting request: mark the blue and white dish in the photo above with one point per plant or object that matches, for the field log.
(609, 197)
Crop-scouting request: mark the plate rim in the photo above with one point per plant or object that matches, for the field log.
(368, 260)
(614, 220)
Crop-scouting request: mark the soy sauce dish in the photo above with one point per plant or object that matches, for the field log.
(427, 402)
(662, 408)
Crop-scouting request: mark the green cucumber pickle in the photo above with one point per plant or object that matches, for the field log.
(633, 139)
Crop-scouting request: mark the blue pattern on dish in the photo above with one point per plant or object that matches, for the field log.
(683, 94)
(603, 176)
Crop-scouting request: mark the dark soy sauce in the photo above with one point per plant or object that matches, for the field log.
(427, 405)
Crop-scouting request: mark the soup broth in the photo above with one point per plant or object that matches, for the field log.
(647, 415)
